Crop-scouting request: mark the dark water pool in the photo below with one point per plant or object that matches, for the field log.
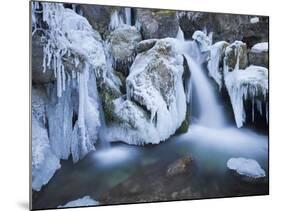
(127, 174)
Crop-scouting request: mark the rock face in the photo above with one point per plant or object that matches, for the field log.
(180, 166)
(258, 54)
(247, 169)
(155, 104)
(99, 17)
(157, 23)
(123, 41)
(227, 27)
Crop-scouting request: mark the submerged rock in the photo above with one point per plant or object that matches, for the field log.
(258, 54)
(157, 23)
(180, 166)
(123, 41)
(247, 169)
(85, 201)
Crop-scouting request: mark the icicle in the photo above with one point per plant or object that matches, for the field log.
(128, 16)
(115, 21)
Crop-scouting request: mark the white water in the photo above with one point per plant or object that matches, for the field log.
(210, 111)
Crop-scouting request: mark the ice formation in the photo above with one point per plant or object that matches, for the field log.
(216, 55)
(155, 83)
(70, 39)
(249, 84)
(116, 21)
(128, 16)
(260, 47)
(85, 201)
(204, 40)
(44, 162)
(246, 167)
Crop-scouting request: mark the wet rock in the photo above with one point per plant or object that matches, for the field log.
(123, 41)
(145, 45)
(157, 23)
(180, 166)
(258, 54)
(247, 170)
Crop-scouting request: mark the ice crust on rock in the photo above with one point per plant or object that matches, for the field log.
(246, 167)
(249, 84)
(156, 103)
(216, 56)
(204, 40)
(85, 201)
(260, 47)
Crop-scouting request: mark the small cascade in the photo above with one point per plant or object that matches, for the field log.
(128, 16)
(210, 112)
(180, 35)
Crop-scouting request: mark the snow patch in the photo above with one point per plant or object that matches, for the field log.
(85, 201)
(246, 167)
(254, 20)
(260, 47)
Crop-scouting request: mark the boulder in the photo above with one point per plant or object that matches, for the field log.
(155, 105)
(258, 54)
(247, 170)
(123, 41)
(145, 45)
(180, 166)
(157, 23)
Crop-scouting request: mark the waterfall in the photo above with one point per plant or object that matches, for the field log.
(128, 16)
(210, 112)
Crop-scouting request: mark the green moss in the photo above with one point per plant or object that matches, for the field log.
(107, 96)
(183, 128)
(166, 12)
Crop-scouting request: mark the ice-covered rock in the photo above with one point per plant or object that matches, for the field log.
(248, 84)
(123, 41)
(260, 47)
(44, 162)
(235, 57)
(145, 45)
(85, 201)
(215, 65)
(157, 23)
(248, 168)
(75, 53)
(258, 54)
(156, 105)
(204, 40)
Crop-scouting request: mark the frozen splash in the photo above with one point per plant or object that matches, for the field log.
(116, 20)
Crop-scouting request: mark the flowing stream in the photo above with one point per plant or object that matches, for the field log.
(124, 174)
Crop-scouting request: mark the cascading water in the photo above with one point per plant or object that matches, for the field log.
(210, 112)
